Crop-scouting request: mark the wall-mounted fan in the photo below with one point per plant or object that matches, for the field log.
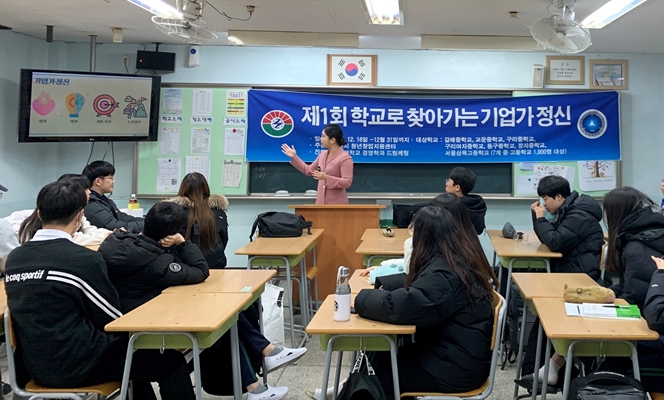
(561, 32)
(188, 26)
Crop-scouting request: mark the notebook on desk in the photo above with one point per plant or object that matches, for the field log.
(592, 310)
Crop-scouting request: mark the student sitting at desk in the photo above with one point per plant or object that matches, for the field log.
(447, 295)
(453, 204)
(86, 235)
(101, 211)
(460, 182)
(575, 232)
(60, 300)
(141, 266)
(207, 223)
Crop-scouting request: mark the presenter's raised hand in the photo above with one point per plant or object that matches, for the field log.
(288, 150)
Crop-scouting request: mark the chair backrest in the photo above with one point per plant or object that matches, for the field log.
(602, 258)
(10, 338)
(499, 312)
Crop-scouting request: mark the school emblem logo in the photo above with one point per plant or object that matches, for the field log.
(592, 124)
(277, 124)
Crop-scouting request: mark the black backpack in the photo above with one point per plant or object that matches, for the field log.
(273, 224)
(606, 385)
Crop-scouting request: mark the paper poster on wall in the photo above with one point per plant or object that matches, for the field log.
(172, 102)
(526, 166)
(566, 172)
(234, 142)
(597, 175)
(200, 140)
(201, 104)
(232, 173)
(200, 164)
(526, 185)
(170, 140)
(236, 103)
(169, 171)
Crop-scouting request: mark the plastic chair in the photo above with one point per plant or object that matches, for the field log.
(499, 307)
(35, 391)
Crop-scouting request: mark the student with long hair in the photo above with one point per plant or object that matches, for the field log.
(456, 207)
(636, 233)
(447, 295)
(85, 235)
(207, 223)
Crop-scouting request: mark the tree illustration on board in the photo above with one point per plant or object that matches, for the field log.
(597, 168)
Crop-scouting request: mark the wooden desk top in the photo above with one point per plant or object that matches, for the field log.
(530, 247)
(558, 325)
(329, 206)
(324, 323)
(293, 246)
(228, 281)
(385, 246)
(377, 234)
(549, 285)
(181, 312)
(358, 282)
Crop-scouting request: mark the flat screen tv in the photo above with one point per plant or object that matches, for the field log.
(65, 106)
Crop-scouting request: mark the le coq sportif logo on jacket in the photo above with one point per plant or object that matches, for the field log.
(24, 276)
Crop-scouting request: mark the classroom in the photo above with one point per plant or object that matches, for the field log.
(462, 50)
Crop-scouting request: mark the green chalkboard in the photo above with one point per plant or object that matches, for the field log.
(382, 178)
(216, 121)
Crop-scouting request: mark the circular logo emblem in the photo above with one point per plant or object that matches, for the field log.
(351, 69)
(592, 124)
(277, 124)
(175, 267)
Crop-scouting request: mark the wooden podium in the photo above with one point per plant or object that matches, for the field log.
(344, 226)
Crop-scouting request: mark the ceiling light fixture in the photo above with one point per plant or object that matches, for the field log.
(610, 12)
(384, 12)
(157, 7)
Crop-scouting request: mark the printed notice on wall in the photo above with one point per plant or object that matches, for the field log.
(597, 175)
(232, 173)
(169, 171)
(201, 104)
(170, 140)
(234, 142)
(200, 140)
(200, 164)
(236, 103)
(172, 102)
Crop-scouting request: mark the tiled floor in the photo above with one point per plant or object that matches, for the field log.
(307, 374)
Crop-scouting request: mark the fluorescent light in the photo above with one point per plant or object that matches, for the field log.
(384, 12)
(157, 7)
(610, 12)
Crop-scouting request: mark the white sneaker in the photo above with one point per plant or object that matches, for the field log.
(328, 394)
(272, 393)
(284, 357)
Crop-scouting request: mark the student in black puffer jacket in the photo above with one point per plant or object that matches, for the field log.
(447, 295)
(636, 233)
(576, 232)
(207, 223)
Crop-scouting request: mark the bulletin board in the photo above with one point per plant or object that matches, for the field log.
(200, 130)
(594, 178)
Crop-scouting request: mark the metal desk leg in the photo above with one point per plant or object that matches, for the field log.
(235, 363)
(520, 354)
(304, 294)
(197, 362)
(336, 376)
(547, 360)
(570, 355)
(393, 356)
(313, 257)
(289, 287)
(538, 356)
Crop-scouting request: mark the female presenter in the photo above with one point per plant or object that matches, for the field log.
(333, 168)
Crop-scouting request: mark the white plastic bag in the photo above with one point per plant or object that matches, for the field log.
(272, 301)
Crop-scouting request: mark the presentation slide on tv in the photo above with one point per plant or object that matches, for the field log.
(94, 105)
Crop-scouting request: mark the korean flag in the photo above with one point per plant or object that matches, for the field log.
(351, 70)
